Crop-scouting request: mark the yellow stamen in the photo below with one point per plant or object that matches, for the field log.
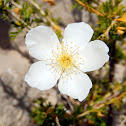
(66, 61)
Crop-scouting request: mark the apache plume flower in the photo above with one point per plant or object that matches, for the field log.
(66, 61)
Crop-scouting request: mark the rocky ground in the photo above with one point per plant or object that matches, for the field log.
(15, 95)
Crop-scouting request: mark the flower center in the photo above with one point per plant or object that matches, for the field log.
(66, 61)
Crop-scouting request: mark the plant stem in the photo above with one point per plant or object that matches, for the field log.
(48, 19)
(105, 34)
(20, 7)
(102, 105)
(16, 5)
(20, 20)
(89, 8)
(112, 60)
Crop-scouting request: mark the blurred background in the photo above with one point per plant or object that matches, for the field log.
(21, 105)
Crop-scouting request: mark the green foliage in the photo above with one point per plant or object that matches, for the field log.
(14, 34)
(26, 12)
(117, 2)
(75, 5)
(45, 114)
(23, 15)
(119, 54)
(87, 2)
(4, 5)
(95, 120)
(78, 110)
(110, 11)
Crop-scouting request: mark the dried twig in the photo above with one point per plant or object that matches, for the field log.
(123, 122)
(16, 5)
(57, 121)
(68, 101)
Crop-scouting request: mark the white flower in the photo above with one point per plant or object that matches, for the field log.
(66, 61)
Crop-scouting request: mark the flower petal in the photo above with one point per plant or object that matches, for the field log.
(40, 76)
(95, 55)
(77, 87)
(40, 41)
(79, 33)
